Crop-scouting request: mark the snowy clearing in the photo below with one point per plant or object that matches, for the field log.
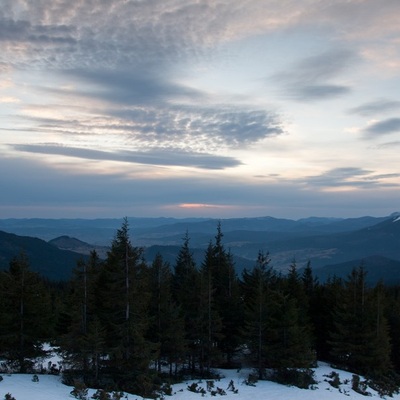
(49, 387)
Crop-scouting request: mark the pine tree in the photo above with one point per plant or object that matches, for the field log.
(228, 301)
(186, 293)
(209, 326)
(258, 301)
(26, 312)
(167, 327)
(360, 340)
(81, 342)
(122, 308)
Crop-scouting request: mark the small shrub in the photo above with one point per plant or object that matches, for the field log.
(195, 388)
(251, 380)
(166, 389)
(80, 391)
(219, 391)
(359, 386)
(117, 395)
(302, 378)
(231, 387)
(35, 378)
(9, 396)
(334, 379)
(101, 394)
(385, 384)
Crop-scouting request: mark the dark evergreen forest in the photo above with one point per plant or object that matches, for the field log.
(124, 324)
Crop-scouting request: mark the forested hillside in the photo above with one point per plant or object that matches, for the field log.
(125, 324)
(49, 261)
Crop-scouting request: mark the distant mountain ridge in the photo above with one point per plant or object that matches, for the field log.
(324, 242)
(378, 268)
(44, 258)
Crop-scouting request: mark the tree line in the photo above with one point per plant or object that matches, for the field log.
(126, 324)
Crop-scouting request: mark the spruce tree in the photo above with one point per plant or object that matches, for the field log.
(26, 312)
(186, 293)
(228, 301)
(360, 340)
(81, 342)
(123, 310)
(257, 288)
(210, 323)
(167, 325)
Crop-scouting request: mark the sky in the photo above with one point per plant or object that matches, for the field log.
(199, 108)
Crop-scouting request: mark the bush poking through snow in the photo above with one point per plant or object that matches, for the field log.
(195, 388)
(386, 385)
(9, 396)
(80, 391)
(359, 386)
(251, 380)
(35, 378)
(334, 379)
(302, 378)
(101, 394)
(166, 389)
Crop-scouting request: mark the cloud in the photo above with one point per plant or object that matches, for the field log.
(47, 192)
(376, 107)
(206, 127)
(308, 80)
(351, 177)
(133, 87)
(199, 128)
(389, 145)
(162, 157)
(24, 31)
(387, 126)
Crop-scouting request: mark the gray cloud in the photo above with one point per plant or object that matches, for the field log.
(376, 107)
(205, 129)
(309, 79)
(209, 127)
(389, 145)
(64, 193)
(351, 177)
(24, 31)
(142, 85)
(319, 92)
(162, 157)
(384, 127)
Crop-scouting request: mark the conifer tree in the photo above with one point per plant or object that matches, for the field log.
(25, 313)
(228, 301)
(167, 325)
(123, 309)
(258, 299)
(209, 320)
(186, 293)
(360, 340)
(81, 342)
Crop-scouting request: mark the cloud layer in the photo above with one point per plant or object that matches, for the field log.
(247, 106)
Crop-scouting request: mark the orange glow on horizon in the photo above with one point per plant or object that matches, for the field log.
(201, 205)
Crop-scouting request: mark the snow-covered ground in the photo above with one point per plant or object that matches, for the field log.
(49, 387)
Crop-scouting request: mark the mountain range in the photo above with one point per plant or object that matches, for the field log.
(333, 246)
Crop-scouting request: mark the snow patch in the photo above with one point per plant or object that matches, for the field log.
(397, 219)
(49, 387)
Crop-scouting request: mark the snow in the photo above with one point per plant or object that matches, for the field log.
(397, 219)
(50, 387)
